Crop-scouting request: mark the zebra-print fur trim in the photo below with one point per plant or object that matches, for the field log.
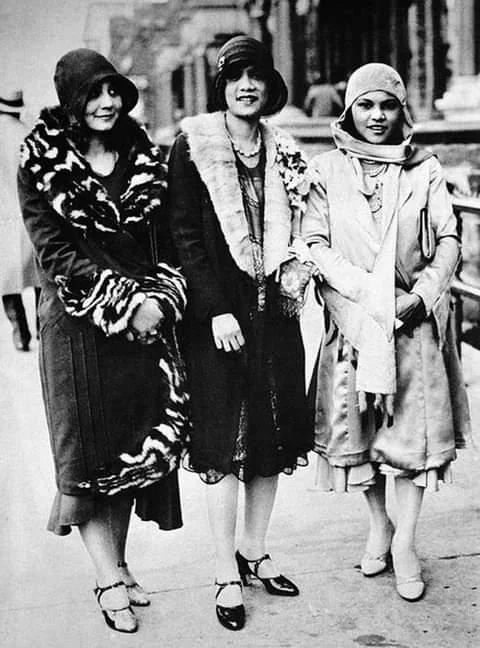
(161, 451)
(63, 176)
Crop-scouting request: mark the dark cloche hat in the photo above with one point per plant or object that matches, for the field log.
(245, 50)
(79, 70)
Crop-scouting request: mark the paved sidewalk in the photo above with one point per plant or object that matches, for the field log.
(317, 539)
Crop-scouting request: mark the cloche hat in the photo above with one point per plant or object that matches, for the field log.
(78, 71)
(244, 50)
(377, 76)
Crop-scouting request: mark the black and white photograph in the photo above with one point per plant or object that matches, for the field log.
(240, 323)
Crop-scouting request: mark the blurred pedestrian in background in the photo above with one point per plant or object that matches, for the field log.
(235, 185)
(322, 99)
(391, 397)
(92, 186)
(16, 257)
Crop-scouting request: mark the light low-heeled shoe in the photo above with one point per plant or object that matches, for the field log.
(412, 588)
(373, 565)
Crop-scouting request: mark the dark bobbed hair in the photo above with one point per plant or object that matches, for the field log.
(79, 71)
(244, 51)
(277, 93)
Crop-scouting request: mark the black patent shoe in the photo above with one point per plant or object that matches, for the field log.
(232, 618)
(278, 585)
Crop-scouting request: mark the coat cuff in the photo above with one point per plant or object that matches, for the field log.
(109, 300)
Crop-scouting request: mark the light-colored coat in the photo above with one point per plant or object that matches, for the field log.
(16, 258)
(431, 412)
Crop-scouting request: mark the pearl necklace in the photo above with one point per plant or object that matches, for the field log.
(255, 151)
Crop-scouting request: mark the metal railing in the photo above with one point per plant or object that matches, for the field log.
(461, 289)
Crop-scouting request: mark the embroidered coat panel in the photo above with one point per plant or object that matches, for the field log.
(217, 285)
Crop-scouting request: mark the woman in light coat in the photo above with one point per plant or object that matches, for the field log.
(16, 257)
(391, 397)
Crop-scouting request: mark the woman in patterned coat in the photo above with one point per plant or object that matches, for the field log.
(92, 186)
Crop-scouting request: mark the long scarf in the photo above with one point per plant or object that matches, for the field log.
(390, 153)
(369, 326)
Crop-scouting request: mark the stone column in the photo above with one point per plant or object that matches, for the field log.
(200, 73)
(462, 36)
(163, 100)
(188, 87)
(282, 43)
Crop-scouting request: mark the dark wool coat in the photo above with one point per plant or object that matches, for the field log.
(115, 409)
(209, 228)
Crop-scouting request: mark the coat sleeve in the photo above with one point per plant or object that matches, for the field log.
(436, 277)
(102, 295)
(186, 192)
(349, 280)
(55, 251)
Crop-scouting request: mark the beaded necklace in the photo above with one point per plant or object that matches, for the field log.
(373, 172)
(256, 149)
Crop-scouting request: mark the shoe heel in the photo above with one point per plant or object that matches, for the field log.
(243, 569)
(246, 579)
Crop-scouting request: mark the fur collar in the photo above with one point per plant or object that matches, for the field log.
(212, 154)
(64, 176)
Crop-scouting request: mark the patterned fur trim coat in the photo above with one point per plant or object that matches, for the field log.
(116, 409)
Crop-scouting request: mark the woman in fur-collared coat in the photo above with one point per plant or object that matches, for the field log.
(91, 187)
(235, 184)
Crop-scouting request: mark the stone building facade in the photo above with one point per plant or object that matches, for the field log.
(169, 46)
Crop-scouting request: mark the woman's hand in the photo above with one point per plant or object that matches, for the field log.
(227, 333)
(405, 305)
(145, 322)
(382, 405)
(410, 309)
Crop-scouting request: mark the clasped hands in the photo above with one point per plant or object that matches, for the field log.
(146, 322)
(409, 309)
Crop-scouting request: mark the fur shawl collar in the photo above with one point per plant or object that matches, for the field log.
(64, 177)
(285, 187)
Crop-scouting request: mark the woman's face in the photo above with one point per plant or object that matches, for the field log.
(103, 107)
(245, 92)
(376, 116)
